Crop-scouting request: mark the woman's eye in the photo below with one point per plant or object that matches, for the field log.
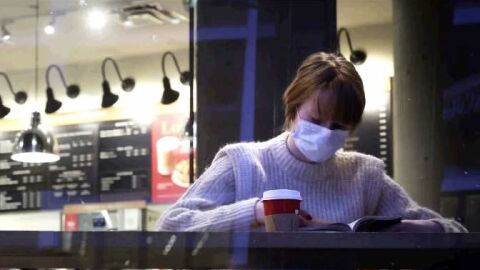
(338, 126)
(317, 122)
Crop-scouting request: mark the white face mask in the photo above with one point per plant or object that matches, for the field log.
(317, 143)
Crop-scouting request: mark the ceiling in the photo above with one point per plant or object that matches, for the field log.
(358, 13)
(74, 42)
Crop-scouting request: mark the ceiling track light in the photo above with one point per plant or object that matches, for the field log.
(96, 19)
(5, 33)
(358, 56)
(125, 20)
(128, 84)
(49, 29)
(153, 12)
(72, 90)
(169, 95)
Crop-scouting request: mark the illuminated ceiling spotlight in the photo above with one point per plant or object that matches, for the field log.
(5, 33)
(125, 20)
(49, 29)
(96, 19)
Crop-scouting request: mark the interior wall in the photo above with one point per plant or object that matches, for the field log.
(147, 72)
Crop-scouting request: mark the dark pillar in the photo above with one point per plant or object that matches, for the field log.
(419, 81)
(247, 53)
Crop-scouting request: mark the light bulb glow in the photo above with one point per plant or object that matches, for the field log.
(96, 19)
(5, 34)
(125, 20)
(49, 29)
(175, 21)
(127, 23)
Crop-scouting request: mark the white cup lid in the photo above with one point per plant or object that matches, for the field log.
(281, 194)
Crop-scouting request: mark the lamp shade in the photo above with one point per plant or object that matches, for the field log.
(4, 110)
(52, 104)
(169, 95)
(108, 98)
(35, 145)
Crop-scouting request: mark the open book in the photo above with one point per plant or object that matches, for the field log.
(364, 224)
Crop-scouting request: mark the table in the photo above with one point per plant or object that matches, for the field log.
(117, 250)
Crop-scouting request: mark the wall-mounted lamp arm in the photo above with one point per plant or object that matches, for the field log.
(164, 57)
(349, 41)
(47, 75)
(104, 63)
(8, 82)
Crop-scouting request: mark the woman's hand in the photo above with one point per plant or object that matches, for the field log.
(305, 218)
(259, 213)
(313, 222)
(415, 226)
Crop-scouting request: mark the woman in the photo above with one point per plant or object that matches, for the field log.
(323, 104)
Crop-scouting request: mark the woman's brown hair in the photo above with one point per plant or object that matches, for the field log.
(334, 76)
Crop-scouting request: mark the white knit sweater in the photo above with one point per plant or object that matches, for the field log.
(342, 189)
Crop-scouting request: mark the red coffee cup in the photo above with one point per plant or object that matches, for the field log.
(281, 208)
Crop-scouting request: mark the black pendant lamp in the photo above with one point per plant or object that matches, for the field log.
(110, 98)
(169, 95)
(20, 96)
(72, 90)
(358, 56)
(35, 145)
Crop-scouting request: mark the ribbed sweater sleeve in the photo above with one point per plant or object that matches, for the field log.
(394, 201)
(209, 204)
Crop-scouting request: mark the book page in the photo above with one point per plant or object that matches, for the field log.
(353, 223)
(373, 223)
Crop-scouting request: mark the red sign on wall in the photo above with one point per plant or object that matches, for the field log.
(170, 158)
(70, 222)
